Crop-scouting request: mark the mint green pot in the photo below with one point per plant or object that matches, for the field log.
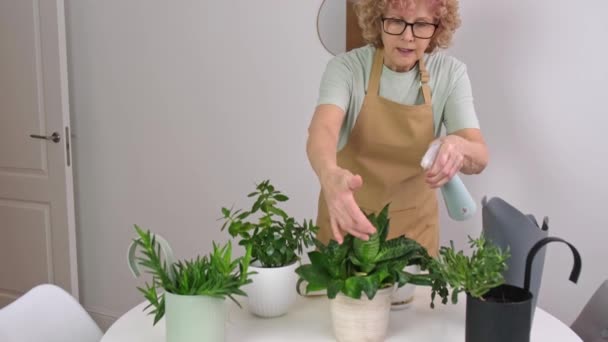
(194, 318)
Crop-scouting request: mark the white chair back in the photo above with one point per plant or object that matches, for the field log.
(47, 313)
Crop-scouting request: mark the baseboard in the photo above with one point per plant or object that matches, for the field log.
(104, 321)
(6, 298)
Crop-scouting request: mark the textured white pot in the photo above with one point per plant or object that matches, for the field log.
(403, 297)
(361, 320)
(273, 290)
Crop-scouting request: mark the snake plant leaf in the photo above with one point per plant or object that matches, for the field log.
(367, 268)
(372, 219)
(402, 278)
(366, 251)
(319, 259)
(353, 258)
(370, 285)
(337, 253)
(362, 267)
(353, 287)
(335, 286)
(383, 222)
(315, 287)
(382, 273)
(398, 248)
(314, 274)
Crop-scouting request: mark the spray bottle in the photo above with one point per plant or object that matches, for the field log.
(457, 198)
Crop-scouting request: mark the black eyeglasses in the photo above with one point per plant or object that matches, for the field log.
(420, 29)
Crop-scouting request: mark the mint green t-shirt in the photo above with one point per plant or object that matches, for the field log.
(344, 84)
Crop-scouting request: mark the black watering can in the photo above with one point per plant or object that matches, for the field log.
(505, 313)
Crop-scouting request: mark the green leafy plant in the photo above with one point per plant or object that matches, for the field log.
(216, 275)
(476, 274)
(276, 239)
(357, 266)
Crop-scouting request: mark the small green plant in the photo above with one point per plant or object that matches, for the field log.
(216, 275)
(357, 266)
(275, 238)
(476, 274)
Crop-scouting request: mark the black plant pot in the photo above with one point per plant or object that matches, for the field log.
(503, 316)
(505, 313)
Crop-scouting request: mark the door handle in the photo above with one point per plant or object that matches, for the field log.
(55, 137)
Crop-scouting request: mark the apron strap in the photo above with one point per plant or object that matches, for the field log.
(374, 78)
(376, 73)
(424, 80)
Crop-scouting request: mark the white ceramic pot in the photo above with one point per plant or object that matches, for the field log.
(273, 290)
(194, 318)
(403, 297)
(361, 320)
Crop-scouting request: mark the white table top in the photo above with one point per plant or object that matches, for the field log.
(309, 320)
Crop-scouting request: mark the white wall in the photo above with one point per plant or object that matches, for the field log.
(177, 111)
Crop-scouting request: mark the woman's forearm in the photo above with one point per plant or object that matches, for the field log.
(474, 150)
(323, 133)
(475, 157)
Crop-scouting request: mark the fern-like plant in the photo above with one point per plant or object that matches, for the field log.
(357, 266)
(216, 275)
(276, 239)
(476, 274)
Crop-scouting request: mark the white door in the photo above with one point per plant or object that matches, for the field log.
(37, 229)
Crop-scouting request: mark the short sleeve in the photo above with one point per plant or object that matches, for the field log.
(336, 84)
(459, 111)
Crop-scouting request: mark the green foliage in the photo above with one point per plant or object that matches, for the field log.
(475, 275)
(216, 275)
(276, 238)
(357, 266)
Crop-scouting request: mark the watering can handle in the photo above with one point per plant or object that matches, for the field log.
(165, 249)
(576, 269)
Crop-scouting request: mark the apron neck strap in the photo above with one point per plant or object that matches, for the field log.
(424, 81)
(374, 80)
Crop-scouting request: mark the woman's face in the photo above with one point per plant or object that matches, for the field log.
(402, 51)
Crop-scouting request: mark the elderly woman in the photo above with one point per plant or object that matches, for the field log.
(379, 108)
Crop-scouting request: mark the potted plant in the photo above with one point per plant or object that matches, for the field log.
(475, 274)
(403, 297)
(495, 311)
(276, 240)
(360, 276)
(194, 291)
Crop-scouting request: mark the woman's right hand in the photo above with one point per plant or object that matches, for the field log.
(338, 186)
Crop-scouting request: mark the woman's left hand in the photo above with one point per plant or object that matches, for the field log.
(448, 162)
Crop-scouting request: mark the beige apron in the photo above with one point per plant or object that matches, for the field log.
(385, 148)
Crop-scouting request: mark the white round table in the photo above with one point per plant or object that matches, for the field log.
(309, 320)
